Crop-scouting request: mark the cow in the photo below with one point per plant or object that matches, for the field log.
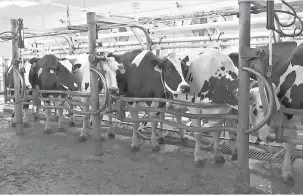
(24, 70)
(213, 78)
(288, 86)
(147, 76)
(81, 73)
(49, 73)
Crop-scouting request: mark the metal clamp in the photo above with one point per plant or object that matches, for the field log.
(269, 72)
(249, 53)
(271, 99)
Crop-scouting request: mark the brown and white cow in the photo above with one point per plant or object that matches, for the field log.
(148, 76)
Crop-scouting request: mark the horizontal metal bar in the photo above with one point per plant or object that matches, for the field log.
(291, 140)
(232, 23)
(200, 105)
(291, 111)
(183, 114)
(178, 125)
(293, 127)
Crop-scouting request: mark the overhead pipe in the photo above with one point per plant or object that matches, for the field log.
(233, 23)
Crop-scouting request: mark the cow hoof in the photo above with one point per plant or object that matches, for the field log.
(82, 138)
(199, 163)
(288, 180)
(61, 129)
(47, 131)
(135, 148)
(161, 140)
(72, 124)
(13, 124)
(156, 148)
(111, 135)
(219, 159)
(26, 124)
(234, 156)
(35, 118)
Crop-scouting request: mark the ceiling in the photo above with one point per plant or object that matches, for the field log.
(50, 6)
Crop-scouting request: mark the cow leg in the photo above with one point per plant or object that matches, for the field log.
(218, 157)
(135, 144)
(198, 155)
(25, 116)
(85, 125)
(287, 176)
(184, 137)
(60, 116)
(72, 121)
(36, 113)
(110, 132)
(154, 142)
(232, 142)
(47, 129)
(13, 124)
(161, 139)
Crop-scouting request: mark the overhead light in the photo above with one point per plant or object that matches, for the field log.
(20, 3)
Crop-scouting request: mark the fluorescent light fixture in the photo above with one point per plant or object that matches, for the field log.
(20, 3)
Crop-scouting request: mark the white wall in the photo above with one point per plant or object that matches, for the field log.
(5, 47)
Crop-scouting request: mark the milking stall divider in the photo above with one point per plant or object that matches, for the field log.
(243, 129)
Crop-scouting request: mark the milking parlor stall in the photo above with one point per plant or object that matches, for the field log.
(40, 158)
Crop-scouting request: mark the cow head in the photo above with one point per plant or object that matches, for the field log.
(107, 65)
(110, 68)
(170, 68)
(51, 73)
(184, 66)
(257, 114)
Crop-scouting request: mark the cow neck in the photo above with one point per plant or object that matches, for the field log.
(58, 80)
(167, 93)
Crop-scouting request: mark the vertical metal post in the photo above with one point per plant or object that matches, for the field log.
(15, 56)
(5, 67)
(243, 147)
(92, 35)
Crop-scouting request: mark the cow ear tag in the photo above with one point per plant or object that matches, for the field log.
(51, 71)
(157, 69)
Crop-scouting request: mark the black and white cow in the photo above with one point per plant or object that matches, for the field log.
(108, 66)
(49, 73)
(288, 84)
(148, 76)
(213, 78)
(24, 71)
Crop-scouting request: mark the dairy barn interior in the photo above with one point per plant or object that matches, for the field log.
(78, 135)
